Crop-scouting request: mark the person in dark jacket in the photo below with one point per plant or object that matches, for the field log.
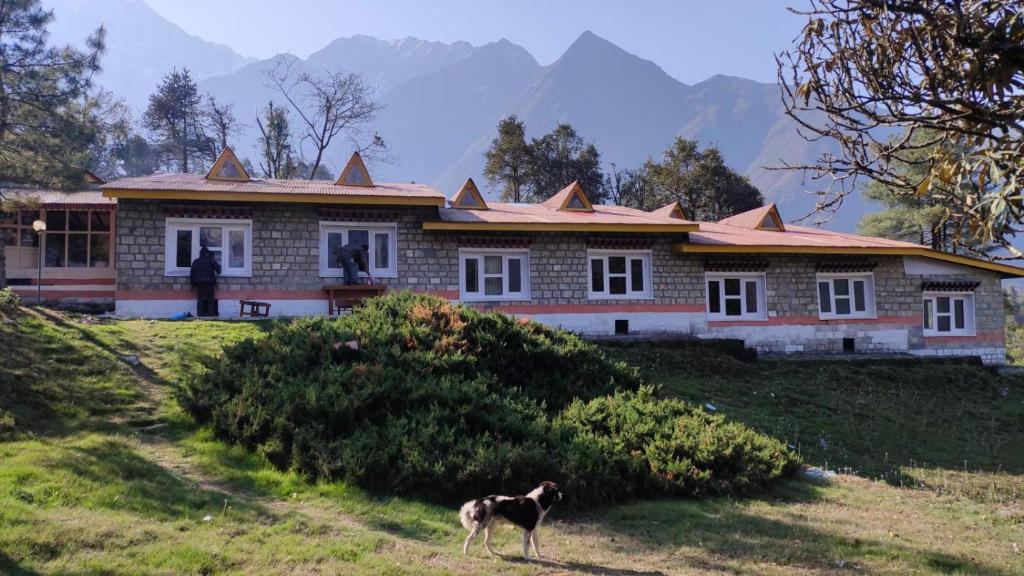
(204, 277)
(352, 258)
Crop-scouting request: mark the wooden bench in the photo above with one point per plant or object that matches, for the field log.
(342, 297)
(253, 309)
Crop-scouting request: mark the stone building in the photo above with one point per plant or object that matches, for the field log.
(592, 269)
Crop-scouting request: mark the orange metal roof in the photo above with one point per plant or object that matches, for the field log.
(539, 215)
(159, 183)
(46, 197)
(752, 219)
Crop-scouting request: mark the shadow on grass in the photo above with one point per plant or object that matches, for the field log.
(727, 530)
(580, 567)
(11, 567)
(124, 480)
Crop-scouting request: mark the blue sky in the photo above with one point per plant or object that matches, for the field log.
(690, 39)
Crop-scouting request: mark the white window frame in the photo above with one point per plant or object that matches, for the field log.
(173, 225)
(762, 301)
(969, 328)
(506, 254)
(645, 255)
(868, 278)
(389, 228)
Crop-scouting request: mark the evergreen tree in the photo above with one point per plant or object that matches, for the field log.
(45, 126)
(277, 156)
(560, 157)
(177, 119)
(509, 159)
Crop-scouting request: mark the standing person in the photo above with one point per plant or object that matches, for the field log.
(204, 277)
(352, 258)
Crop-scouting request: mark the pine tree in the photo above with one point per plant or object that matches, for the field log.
(176, 117)
(509, 159)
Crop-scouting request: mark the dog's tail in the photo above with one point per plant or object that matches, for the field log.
(473, 512)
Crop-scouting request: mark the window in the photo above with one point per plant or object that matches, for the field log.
(381, 241)
(619, 274)
(73, 238)
(846, 296)
(948, 314)
(494, 275)
(736, 296)
(229, 240)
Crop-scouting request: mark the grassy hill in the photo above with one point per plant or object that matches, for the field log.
(100, 473)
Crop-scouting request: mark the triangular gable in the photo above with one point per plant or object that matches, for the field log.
(569, 199)
(765, 218)
(228, 168)
(355, 173)
(91, 178)
(468, 197)
(671, 210)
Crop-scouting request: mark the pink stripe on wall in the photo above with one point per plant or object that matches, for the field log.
(588, 308)
(814, 320)
(992, 337)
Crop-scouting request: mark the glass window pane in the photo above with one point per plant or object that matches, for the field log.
(732, 286)
(617, 265)
(942, 303)
(733, 307)
(333, 246)
(714, 297)
(55, 250)
(492, 285)
(29, 239)
(78, 220)
(842, 306)
(211, 237)
(492, 265)
(597, 275)
(958, 313)
(99, 251)
(824, 297)
(943, 323)
(751, 296)
(381, 250)
(515, 275)
(29, 216)
(100, 221)
(927, 314)
(359, 237)
(636, 280)
(472, 275)
(78, 250)
(617, 285)
(858, 296)
(183, 249)
(576, 203)
(842, 286)
(56, 220)
(10, 236)
(8, 217)
(236, 255)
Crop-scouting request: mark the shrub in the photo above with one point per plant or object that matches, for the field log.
(440, 401)
(8, 300)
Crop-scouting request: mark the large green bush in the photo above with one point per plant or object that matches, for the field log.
(441, 401)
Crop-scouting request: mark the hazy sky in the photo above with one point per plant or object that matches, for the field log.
(690, 39)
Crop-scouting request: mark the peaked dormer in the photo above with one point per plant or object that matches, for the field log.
(228, 168)
(671, 210)
(355, 173)
(765, 218)
(468, 197)
(569, 199)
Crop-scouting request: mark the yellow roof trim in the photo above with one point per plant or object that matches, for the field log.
(690, 248)
(227, 155)
(560, 227)
(355, 163)
(469, 188)
(257, 197)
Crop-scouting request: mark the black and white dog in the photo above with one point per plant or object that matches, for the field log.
(526, 512)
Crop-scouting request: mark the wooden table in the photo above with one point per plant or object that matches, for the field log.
(255, 309)
(343, 297)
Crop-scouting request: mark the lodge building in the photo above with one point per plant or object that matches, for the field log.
(589, 268)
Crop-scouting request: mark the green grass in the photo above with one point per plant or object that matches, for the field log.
(100, 473)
